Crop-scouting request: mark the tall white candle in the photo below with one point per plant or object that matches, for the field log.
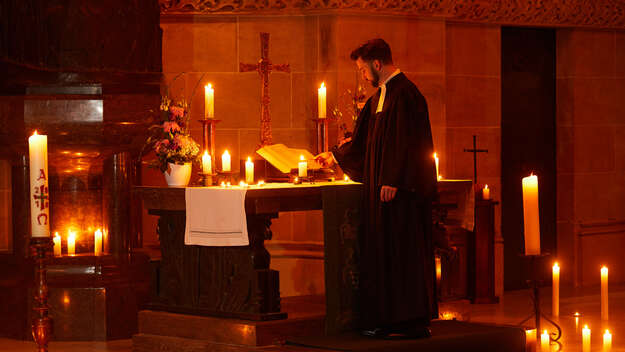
(555, 290)
(249, 171)
(225, 162)
(39, 196)
(207, 166)
(604, 293)
(586, 339)
(57, 244)
(607, 341)
(97, 242)
(302, 167)
(530, 215)
(436, 163)
(321, 101)
(544, 341)
(71, 243)
(209, 101)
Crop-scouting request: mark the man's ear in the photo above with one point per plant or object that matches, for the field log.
(377, 65)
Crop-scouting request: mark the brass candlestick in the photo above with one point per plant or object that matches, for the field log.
(42, 324)
(322, 134)
(208, 135)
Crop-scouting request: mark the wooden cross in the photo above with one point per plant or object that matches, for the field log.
(475, 151)
(264, 68)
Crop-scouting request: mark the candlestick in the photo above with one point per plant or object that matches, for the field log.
(249, 171)
(97, 242)
(555, 291)
(604, 293)
(586, 339)
(530, 215)
(530, 340)
(57, 245)
(302, 167)
(607, 341)
(544, 341)
(207, 166)
(209, 101)
(486, 193)
(225, 162)
(71, 243)
(39, 198)
(436, 163)
(321, 101)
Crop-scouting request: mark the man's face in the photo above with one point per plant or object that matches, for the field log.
(368, 71)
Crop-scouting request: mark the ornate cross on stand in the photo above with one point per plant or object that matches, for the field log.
(264, 67)
(475, 151)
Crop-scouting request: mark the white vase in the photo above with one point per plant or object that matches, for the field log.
(178, 175)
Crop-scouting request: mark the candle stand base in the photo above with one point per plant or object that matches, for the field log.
(207, 180)
(42, 324)
(322, 133)
(227, 177)
(537, 314)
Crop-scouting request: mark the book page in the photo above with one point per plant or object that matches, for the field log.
(285, 159)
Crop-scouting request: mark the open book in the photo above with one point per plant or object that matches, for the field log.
(285, 159)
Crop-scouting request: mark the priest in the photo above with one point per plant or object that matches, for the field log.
(391, 152)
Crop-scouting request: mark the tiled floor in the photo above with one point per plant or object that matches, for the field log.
(513, 308)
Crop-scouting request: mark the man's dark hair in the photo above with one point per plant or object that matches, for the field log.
(374, 49)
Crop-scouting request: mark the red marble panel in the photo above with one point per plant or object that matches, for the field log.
(598, 196)
(473, 101)
(473, 50)
(565, 197)
(598, 100)
(282, 227)
(327, 55)
(619, 148)
(565, 157)
(432, 86)
(620, 53)
(564, 101)
(292, 40)
(204, 47)
(585, 53)
(566, 251)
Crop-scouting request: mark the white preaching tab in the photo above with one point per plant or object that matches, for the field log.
(215, 216)
(383, 90)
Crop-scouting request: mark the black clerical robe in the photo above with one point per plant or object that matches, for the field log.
(394, 148)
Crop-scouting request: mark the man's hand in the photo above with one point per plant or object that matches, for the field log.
(325, 159)
(387, 193)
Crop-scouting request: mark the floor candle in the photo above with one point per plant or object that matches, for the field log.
(555, 291)
(585, 339)
(604, 293)
(530, 340)
(71, 243)
(544, 341)
(57, 244)
(607, 341)
(530, 215)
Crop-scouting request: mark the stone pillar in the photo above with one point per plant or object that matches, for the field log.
(116, 189)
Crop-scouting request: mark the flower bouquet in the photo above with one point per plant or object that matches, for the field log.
(172, 143)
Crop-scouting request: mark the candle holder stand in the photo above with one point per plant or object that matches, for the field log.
(534, 284)
(227, 176)
(208, 135)
(207, 179)
(322, 134)
(42, 324)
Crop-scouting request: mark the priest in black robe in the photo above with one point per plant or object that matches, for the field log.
(391, 153)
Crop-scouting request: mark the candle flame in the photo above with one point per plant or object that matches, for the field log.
(604, 270)
(98, 232)
(556, 266)
(226, 152)
(607, 332)
(576, 314)
(486, 187)
(35, 133)
(261, 182)
(435, 157)
(346, 178)
(249, 160)
(301, 157)
(323, 84)
(242, 184)
(206, 153)
(223, 184)
(56, 234)
(210, 86)
(586, 327)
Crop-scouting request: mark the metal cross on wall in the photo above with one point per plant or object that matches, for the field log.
(475, 151)
(264, 67)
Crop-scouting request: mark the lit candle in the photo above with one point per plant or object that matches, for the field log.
(544, 341)
(302, 167)
(225, 162)
(346, 178)
(439, 269)
(486, 193)
(530, 215)
(207, 167)
(555, 291)
(209, 101)
(57, 244)
(586, 339)
(604, 293)
(39, 197)
(97, 242)
(71, 243)
(607, 341)
(249, 171)
(321, 101)
(530, 340)
(576, 315)
(436, 162)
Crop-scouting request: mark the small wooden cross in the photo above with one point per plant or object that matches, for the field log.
(264, 68)
(475, 151)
